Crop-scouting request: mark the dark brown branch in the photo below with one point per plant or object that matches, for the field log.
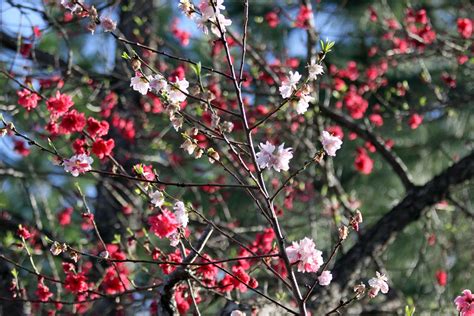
(377, 238)
(395, 162)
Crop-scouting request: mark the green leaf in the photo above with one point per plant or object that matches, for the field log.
(125, 55)
(409, 310)
(14, 273)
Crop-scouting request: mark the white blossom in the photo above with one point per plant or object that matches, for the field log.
(379, 283)
(189, 146)
(158, 83)
(180, 213)
(157, 198)
(289, 84)
(175, 91)
(314, 70)
(303, 103)
(140, 84)
(330, 143)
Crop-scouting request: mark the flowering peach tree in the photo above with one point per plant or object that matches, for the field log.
(236, 158)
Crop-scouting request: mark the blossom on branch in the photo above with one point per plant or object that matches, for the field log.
(289, 84)
(325, 278)
(314, 70)
(465, 303)
(272, 156)
(157, 198)
(108, 24)
(78, 164)
(330, 143)
(378, 284)
(305, 254)
(140, 83)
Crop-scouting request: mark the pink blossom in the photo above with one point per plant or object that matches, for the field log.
(304, 253)
(78, 164)
(379, 283)
(465, 303)
(108, 24)
(268, 157)
(325, 278)
(330, 143)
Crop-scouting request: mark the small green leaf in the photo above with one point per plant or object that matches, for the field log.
(14, 273)
(125, 55)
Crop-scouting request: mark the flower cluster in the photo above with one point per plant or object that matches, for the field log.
(274, 157)
(305, 254)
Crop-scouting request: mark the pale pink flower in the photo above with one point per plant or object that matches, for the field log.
(465, 303)
(325, 278)
(140, 84)
(236, 312)
(314, 70)
(78, 164)
(268, 157)
(158, 83)
(282, 158)
(303, 103)
(304, 253)
(176, 92)
(108, 24)
(330, 143)
(180, 213)
(289, 84)
(157, 198)
(379, 283)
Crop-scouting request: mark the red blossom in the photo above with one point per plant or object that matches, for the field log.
(76, 283)
(97, 128)
(355, 104)
(115, 281)
(304, 14)
(43, 292)
(64, 217)
(415, 120)
(103, 148)
(465, 27)
(20, 148)
(441, 277)
(23, 232)
(163, 225)
(27, 99)
(376, 119)
(59, 104)
(272, 19)
(72, 121)
(363, 163)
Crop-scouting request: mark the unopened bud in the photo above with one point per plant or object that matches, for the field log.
(343, 232)
(213, 155)
(136, 64)
(359, 289)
